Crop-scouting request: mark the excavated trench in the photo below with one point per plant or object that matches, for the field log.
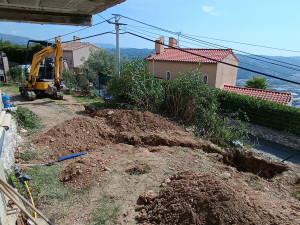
(248, 162)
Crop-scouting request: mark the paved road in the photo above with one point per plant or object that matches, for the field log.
(273, 149)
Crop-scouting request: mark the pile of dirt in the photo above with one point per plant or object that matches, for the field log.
(192, 198)
(111, 127)
(79, 174)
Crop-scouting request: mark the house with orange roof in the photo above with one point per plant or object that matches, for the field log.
(280, 97)
(166, 63)
(77, 52)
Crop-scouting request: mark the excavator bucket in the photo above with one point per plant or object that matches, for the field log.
(52, 89)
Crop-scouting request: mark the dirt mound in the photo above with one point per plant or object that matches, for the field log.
(79, 173)
(192, 198)
(113, 126)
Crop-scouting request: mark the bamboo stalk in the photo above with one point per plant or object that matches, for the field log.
(6, 192)
(25, 201)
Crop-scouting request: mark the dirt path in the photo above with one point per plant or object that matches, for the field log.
(52, 112)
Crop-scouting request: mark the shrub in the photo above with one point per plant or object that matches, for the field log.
(186, 100)
(135, 88)
(261, 112)
(17, 53)
(190, 101)
(75, 81)
(15, 74)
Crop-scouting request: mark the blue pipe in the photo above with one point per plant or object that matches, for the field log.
(67, 157)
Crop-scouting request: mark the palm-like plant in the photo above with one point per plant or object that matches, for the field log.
(257, 82)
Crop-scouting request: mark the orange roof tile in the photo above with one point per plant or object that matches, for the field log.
(171, 54)
(270, 95)
(72, 46)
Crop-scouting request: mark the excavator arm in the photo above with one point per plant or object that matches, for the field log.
(36, 62)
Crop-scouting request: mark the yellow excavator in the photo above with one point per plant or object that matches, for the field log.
(45, 75)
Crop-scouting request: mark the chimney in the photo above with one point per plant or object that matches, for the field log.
(173, 43)
(58, 38)
(76, 39)
(159, 45)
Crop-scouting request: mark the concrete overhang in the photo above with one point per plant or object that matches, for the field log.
(68, 12)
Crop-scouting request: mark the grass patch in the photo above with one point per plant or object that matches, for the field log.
(98, 102)
(11, 88)
(27, 119)
(44, 184)
(106, 212)
(29, 155)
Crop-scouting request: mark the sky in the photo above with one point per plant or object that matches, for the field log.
(272, 23)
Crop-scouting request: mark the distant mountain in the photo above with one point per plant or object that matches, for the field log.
(133, 52)
(272, 69)
(102, 45)
(14, 39)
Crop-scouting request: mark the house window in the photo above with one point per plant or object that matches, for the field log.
(168, 75)
(205, 79)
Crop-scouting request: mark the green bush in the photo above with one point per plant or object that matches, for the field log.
(15, 74)
(190, 101)
(261, 112)
(186, 100)
(136, 88)
(75, 81)
(17, 53)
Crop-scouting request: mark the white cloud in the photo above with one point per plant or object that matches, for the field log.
(209, 9)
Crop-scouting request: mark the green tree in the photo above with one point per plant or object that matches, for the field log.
(100, 62)
(257, 82)
(75, 81)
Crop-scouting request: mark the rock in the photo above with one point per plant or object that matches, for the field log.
(105, 168)
(148, 196)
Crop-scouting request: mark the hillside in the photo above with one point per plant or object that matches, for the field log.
(14, 39)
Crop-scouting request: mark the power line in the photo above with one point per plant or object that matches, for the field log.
(105, 20)
(243, 68)
(235, 42)
(134, 30)
(244, 43)
(212, 44)
(95, 35)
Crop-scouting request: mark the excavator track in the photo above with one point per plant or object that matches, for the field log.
(30, 95)
(58, 96)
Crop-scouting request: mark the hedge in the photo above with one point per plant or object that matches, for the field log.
(17, 53)
(261, 112)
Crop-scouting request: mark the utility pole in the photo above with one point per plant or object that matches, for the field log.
(118, 43)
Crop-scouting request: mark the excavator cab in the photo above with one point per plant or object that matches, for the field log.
(45, 72)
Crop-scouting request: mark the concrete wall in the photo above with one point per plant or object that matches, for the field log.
(161, 68)
(227, 74)
(68, 56)
(81, 53)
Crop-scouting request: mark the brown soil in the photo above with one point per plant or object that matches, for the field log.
(193, 198)
(79, 173)
(133, 152)
(249, 162)
(84, 134)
